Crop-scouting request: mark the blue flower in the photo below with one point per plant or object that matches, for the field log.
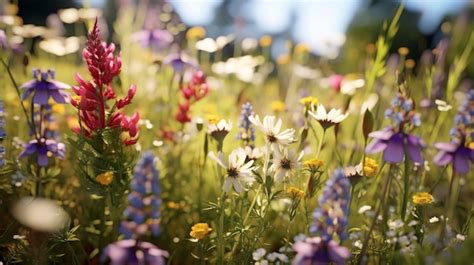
(155, 39)
(43, 86)
(142, 213)
(247, 133)
(179, 61)
(459, 151)
(330, 218)
(393, 140)
(42, 149)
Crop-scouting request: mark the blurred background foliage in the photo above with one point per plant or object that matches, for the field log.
(344, 35)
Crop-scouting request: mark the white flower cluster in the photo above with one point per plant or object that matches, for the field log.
(397, 234)
(261, 257)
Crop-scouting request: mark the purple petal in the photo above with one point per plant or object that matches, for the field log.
(42, 160)
(27, 93)
(448, 147)
(394, 151)
(58, 97)
(338, 254)
(442, 158)
(375, 146)
(41, 97)
(30, 84)
(384, 134)
(461, 160)
(30, 149)
(57, 85)
(414, 149)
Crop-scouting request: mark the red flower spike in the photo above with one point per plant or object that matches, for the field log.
(125, 101)
(93, 109)
(194, 91)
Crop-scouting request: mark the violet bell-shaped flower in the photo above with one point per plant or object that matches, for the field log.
(43, 87)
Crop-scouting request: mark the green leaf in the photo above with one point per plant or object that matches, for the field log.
(367, 123)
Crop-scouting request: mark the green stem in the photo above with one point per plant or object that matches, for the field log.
(321, 143)
(17, 89)
(350, 199)
(365, 245)
(406, 185)
(453, 195)
(38, 181)
(220, 232)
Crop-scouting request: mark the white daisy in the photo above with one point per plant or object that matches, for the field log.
(328, 119)
(239, 173)
(272, 130)
(254, 153)
(284, 162)
(219, 130)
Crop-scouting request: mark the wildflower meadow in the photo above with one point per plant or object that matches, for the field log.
(147, 141)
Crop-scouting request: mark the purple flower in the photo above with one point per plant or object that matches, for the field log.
(153, 38)
(455, 153)
(132, 252)
(393, 145)
(247, 132)
(43, 86)
(179, 61)
(315, 251)
(458, 152)
(143, 211)
(330, 218)
(42, 148)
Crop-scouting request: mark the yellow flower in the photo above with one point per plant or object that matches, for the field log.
(410, 63)
(403, 51)
(174, 205)
(212, 118)
(283, 59)
(278, 106)
(200, 230)
(105, 178)
(295, 192)
(313, 163)
(309, 101)
(72, 122)
(370, 167)
(422, 198)
(196, 33)
(470, 145)
(266, 41)
(301, 48)
(58, 108)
